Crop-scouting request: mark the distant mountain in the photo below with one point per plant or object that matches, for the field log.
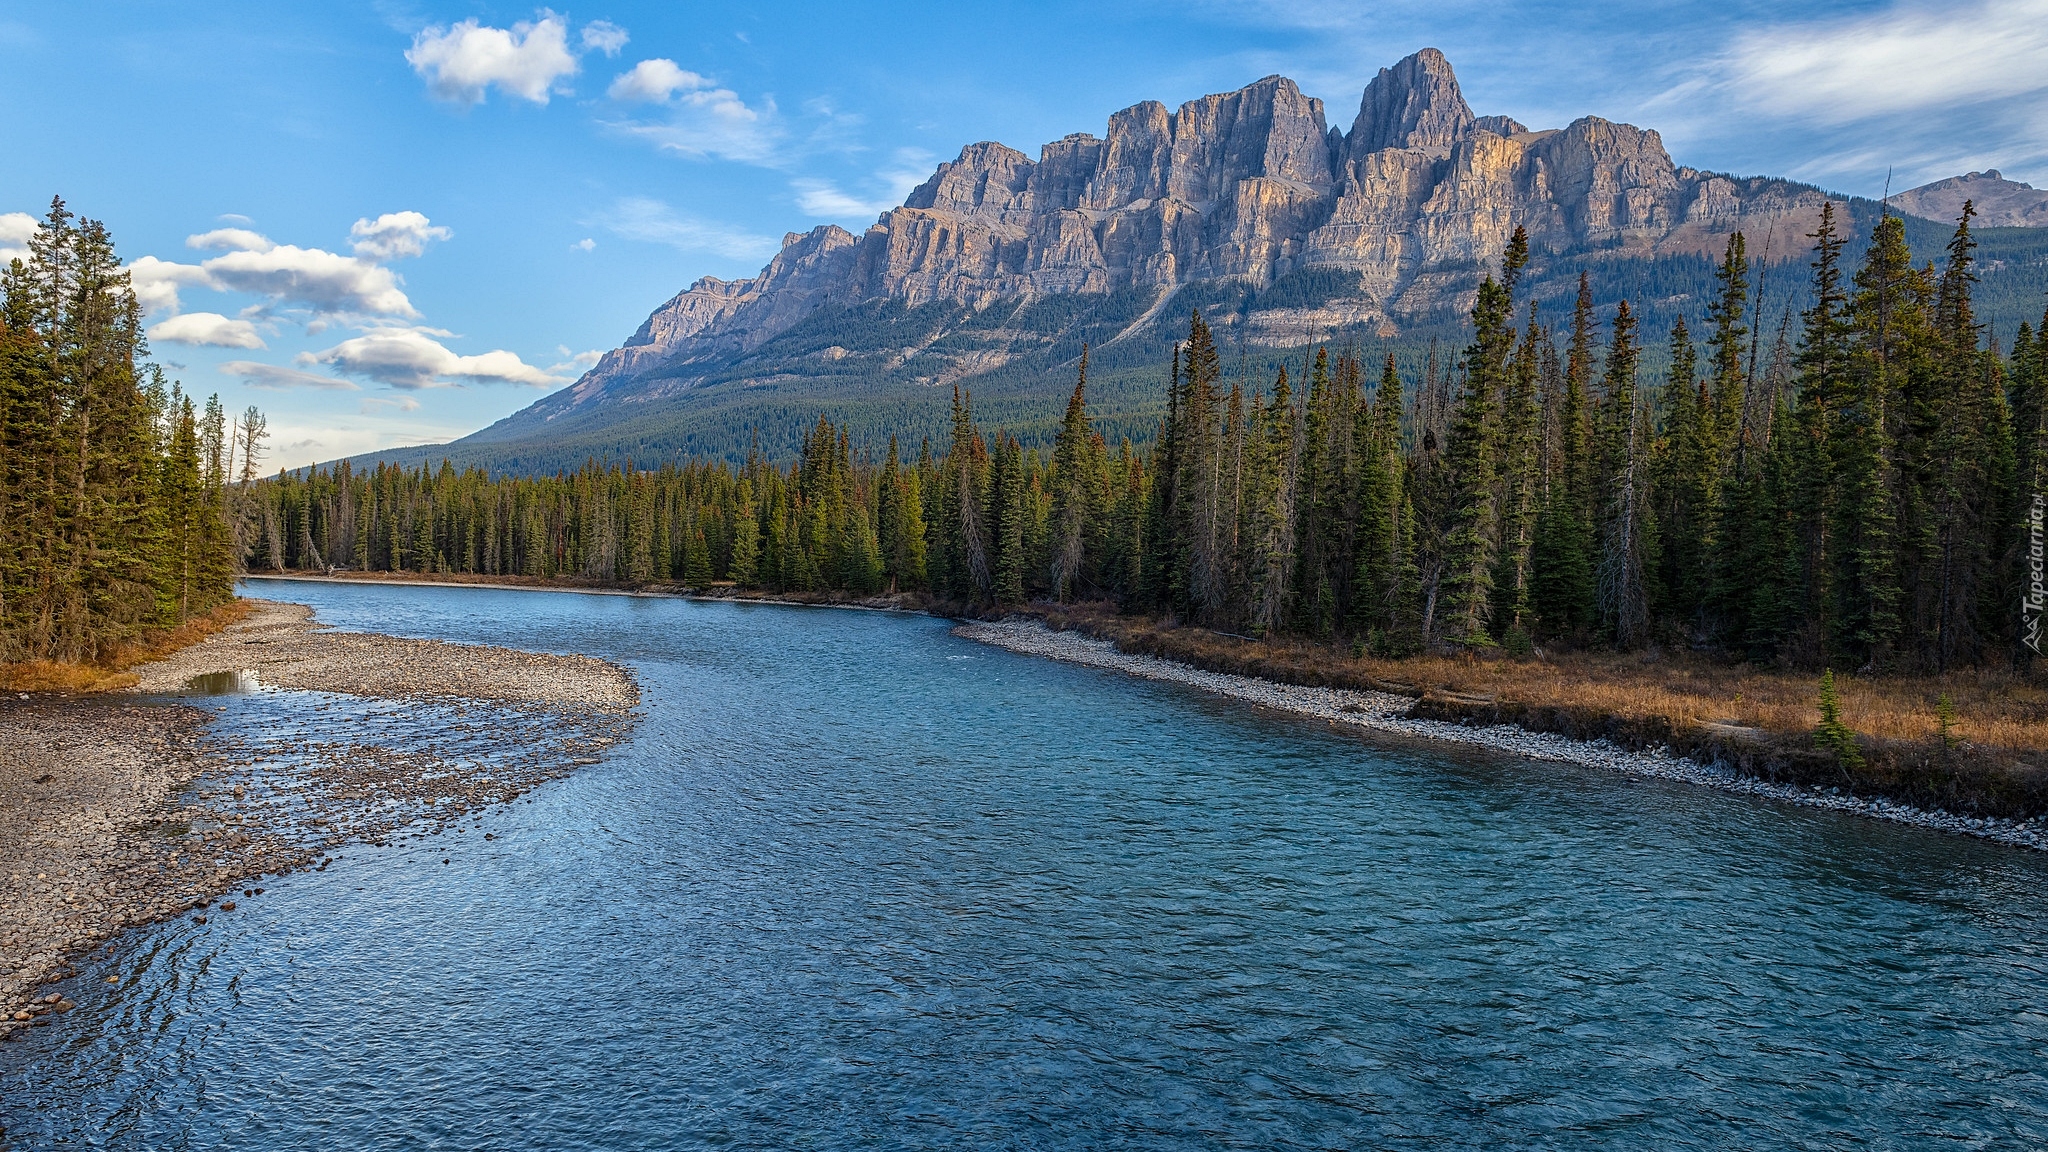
(996, 270)
(2000, 203)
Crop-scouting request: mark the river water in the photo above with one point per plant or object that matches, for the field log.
(856, 882)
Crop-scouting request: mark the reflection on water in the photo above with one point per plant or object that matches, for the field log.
(843, 889)
(221, 684)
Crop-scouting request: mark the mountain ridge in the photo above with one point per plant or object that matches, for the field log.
(1247, 200)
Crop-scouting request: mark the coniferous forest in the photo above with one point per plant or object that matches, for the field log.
(114, 495)
(1848, 488)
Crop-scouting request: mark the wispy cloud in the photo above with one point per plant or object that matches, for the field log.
(277, 378)
(654, 81)
(575, 361)
(649, 220)
(703, 120)
(604, 36)
(885, 189)
(1907, 59)
(1926, 90)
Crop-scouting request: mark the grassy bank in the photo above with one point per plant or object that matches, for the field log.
(65, 676)
(1989, 758)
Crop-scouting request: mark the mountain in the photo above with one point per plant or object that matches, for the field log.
(2000, 203)
(1249, 204)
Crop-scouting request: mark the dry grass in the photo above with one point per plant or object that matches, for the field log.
(65, 676)
(1995, 709)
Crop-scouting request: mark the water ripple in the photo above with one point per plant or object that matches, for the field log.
(846, 888)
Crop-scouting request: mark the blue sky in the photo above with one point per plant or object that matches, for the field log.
(389, 223)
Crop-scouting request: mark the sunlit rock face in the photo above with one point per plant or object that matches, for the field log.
(1416, 198)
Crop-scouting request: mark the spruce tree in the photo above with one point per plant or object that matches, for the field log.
(1688, 463)
(1075, 467)
(1562, 584)
(1474, 457)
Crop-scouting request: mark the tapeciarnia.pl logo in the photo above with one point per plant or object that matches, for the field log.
(2036, 599)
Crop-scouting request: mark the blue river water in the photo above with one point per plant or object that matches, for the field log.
(855, 882)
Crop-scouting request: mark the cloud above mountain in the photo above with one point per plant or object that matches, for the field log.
(653, 221)
(411, 358)
(1904, 59)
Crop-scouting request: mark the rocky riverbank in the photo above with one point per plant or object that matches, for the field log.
(1384, 712)
(122, 810)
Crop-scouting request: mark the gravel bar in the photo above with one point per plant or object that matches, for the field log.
(122, 810)
(1383, 712)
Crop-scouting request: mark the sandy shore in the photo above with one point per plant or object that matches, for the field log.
(126, 809)
(1382, 712)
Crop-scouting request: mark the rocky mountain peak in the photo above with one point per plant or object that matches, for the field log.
(2000, 203)
(1415, 104)
(1250, 186)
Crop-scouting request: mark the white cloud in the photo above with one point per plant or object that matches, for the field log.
(585, 244)
(394, 235)
(1911, 57)
(277, 378)
(575, 361)
(702, 122)
(231, 239)
(604, 36)
(461, 61)
(647, 219)
(209, 328)
(823, 198)
(15, 230)
(156, 282)
(827, 200)
(654, 82)
(324, 281)
(410, 358)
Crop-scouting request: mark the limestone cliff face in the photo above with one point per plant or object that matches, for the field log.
(1251, 185)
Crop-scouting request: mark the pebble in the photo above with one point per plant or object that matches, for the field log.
(1383, 712)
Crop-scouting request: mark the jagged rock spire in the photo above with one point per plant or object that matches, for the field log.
(1414, 104)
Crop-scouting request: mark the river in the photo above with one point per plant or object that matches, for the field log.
(857, 882)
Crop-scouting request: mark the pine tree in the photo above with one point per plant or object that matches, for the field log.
(1269, 559)
(1075, 466)
(1385, 576)
(1198, 487)
(1722, 416)
(1628, 528)
(1888, 331)
(1562, 584)
(1520, 487)
(1688, 463)
(1474, 457)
